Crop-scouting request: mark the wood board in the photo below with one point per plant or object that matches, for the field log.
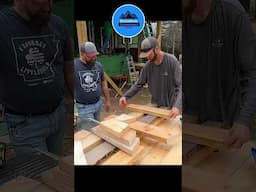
(149, 110)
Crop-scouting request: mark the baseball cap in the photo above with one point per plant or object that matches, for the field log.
(147, 45)
(89, 49)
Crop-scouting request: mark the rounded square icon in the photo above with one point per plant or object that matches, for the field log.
(128, 20)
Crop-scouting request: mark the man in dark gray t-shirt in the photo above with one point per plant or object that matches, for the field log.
(162, 73)
(36, 66)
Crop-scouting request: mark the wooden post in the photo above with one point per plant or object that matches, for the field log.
(159, 32)
(112, 83)
(81, 32)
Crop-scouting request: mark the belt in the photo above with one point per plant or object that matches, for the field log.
(86, 103)
(51, 110)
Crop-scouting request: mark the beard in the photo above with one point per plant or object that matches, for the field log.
(188, 6)
(40, 19)
(154, 58)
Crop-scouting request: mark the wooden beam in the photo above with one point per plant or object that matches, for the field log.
(90, 142)
(205, 132)
(202, 141)
(149, 110)
(79, 157)
(159, 32)
(98, 153)
(196, 180)
(66, 164)
(80, 135)
(128, 149)
(122, 158)
(112, 83)
(81, 32)
(115, 127)
(126, 118)
(127, 138)
(58, 180)
(158, 133)
(19, 184)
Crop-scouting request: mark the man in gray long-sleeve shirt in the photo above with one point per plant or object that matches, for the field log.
(219, 68)
(162, 73)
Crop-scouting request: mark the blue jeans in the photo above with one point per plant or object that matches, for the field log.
(44, 132)
(89, 111)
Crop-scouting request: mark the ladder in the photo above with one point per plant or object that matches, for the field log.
(133, 74)
(148, 31)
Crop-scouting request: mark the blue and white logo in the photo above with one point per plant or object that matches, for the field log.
(128, 20)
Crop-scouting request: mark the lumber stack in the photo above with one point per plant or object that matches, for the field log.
(118, 134)
(89, 148)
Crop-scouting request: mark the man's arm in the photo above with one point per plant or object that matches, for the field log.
(104, 86)
(69, 77)
(177, 106)
(178, 86)
(240, 132)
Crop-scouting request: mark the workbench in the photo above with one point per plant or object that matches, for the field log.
(151, 151)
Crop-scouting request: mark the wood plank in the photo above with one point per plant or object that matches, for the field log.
(205, 132)
(90, 142)
(80, 135)
(81, 32)
(198, 156)
(137, 115)
(244, 178)
(66, 164)
(127, 138)
(98, 153)
(79, 157)
(112, 83)
(160, 134)
(174, 154)
(58, 180)
(43, 188)
(196, 180)
(126, 118)
(122, 158)
(149, 110)
(158, 121)
(114, 126)
(128, 149)
(19, 184)
(202, 141)
(156, 152)
(226, 162)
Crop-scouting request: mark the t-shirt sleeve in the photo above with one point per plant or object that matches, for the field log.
(102, 77)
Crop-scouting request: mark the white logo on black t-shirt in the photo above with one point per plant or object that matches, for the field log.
(89, 80)
(35, 56)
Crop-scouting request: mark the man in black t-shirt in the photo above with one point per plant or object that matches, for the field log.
(219, 66)
(90, 84)
(36, 65)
